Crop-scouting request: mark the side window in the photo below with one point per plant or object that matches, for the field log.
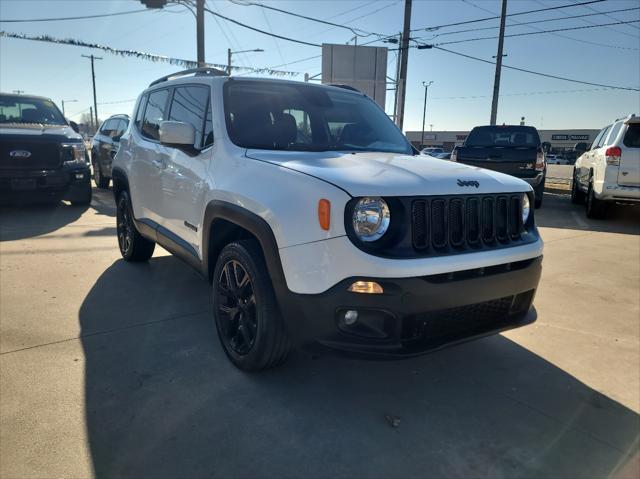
(121, 126)
(614, 133)
(154, 114)
(188, 105)
(598, 141)
(138, 120)
(208, 128)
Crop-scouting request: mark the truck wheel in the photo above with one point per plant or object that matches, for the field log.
(596, 209)
(539, 193)
(249, 323)
(101, 181)
(85, 199)
(133, 246)
(577, 196)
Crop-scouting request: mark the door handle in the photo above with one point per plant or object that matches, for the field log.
(159, 164)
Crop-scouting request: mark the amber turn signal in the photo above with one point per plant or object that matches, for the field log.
(366, 287)
(324, 214)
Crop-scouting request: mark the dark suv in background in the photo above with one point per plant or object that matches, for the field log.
(104, 147)
(512, 149)
(41, 154)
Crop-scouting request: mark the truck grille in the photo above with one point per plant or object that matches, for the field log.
(442, 224)
(44, 155)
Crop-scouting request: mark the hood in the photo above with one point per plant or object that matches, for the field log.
(390, 174)
(36, 130)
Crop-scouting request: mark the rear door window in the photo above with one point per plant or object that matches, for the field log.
(632, 136)
(614, 133)
(602, 138)
(154, 114)
(188, 105)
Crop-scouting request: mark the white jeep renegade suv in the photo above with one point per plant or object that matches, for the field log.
(317, 223)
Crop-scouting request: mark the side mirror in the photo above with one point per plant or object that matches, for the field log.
(74, 126)
(177, 133)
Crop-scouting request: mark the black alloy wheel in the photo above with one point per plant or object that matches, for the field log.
(237, 307)
(133, 246)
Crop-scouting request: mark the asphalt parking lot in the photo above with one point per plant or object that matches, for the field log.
(110, 369)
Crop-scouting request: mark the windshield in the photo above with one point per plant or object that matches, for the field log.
(504, 136)
(300, 117)
(20, 109)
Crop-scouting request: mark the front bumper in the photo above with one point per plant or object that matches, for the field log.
(66, 183)
(417, 315)
(535, 181)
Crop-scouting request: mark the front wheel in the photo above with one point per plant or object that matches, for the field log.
(247, 317)
(98, 177)
(133, 246)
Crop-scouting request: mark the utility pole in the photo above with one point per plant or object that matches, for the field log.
(395, 96)
(200, 31)
(91, 116)
(496, 83)
(93, 77)
(424, 109)
(404, 57)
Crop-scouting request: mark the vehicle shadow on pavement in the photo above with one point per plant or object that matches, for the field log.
(162, 400)
(26, 221)
(558, 212)
(103, 202)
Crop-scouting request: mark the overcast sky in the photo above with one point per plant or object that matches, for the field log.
(459, 98)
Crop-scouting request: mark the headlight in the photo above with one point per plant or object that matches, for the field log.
(526, 208)
(74, 154)
(371, 218)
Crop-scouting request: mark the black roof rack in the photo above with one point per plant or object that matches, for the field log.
(192, 71)
(345, 87)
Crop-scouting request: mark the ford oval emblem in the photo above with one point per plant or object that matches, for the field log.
(19, 154)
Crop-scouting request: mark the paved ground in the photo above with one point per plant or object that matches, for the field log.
(109, 369)
(559, 171)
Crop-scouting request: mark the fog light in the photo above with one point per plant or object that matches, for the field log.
(350, 317)
(79, 176)
(367, 287)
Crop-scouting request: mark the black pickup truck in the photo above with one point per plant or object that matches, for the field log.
(42, 156)
(514, 150)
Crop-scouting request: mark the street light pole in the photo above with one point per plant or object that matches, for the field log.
(229, 53)
(68, 101)
(424, 110)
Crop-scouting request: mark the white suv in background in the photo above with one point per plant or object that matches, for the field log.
(610, 170)
(315, 222)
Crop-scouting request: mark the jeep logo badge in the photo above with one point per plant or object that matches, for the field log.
(468, 183)
(19, 154)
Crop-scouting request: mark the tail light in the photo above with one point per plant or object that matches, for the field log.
(454, 155)
(612, 155)
(540, 160)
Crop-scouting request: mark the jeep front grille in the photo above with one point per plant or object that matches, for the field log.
(459, 223)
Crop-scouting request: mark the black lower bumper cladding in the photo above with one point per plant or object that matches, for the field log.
(417, 315)
(67, 183)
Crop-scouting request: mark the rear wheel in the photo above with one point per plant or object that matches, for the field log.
(577, 195)
(596, 209)
(539, 193)
(98, 177)
(249, 324)
(133, 246)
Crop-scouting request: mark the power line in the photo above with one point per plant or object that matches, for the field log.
(559, 35)
(606, 14)
(437, 27)
(353, 30)
(547, 75)
(259, 30)
(539, 32)
(531, 93)
(531, 23)
(85, 17)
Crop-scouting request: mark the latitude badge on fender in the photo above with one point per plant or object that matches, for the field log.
(468, 183)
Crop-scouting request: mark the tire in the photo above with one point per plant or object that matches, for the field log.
(250, 326)
(539, 193)
(595, 208)
(85, 199)
(577, 195)
(133, 246)
(101, 181)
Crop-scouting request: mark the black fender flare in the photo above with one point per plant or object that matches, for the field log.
(252, 223)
